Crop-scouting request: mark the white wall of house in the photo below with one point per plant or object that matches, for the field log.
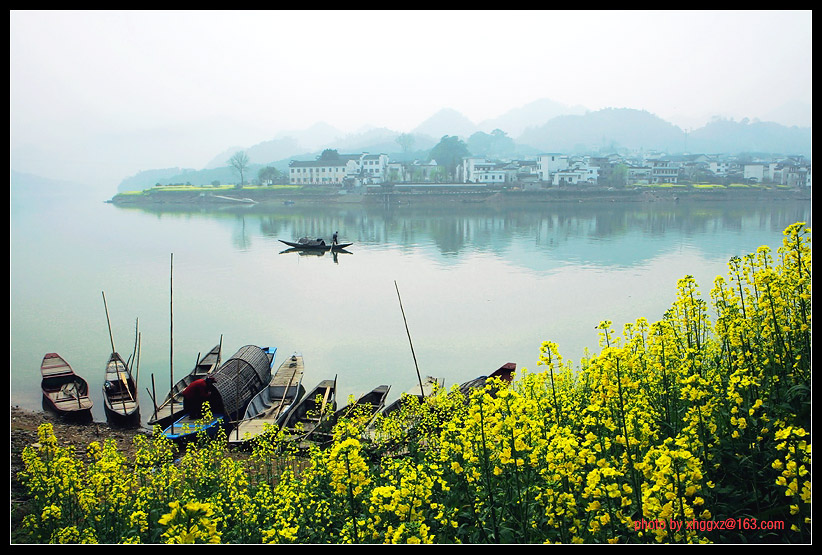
(754, 171)
(550, 163)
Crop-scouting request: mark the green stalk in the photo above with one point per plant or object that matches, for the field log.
(487, 473)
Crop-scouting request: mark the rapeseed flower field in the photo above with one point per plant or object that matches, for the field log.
(692, 429)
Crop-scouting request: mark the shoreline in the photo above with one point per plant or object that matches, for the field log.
(261, 196)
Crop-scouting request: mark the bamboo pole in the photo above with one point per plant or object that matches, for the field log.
(171, 335)
(153, 395)
(422, 391)
(108, 321)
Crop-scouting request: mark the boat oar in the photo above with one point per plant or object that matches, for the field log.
(285, 393)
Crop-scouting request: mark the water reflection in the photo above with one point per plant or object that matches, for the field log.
(606, 233)
(316, 253)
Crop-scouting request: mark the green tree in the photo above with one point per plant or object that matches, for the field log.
(449, 153)
(240, 163)
(329, 154)
(268, 175)
(495, 145)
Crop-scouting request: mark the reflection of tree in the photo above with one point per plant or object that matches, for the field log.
(544, 231)
(240, 237)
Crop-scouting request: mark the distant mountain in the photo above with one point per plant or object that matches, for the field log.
(148, 178)
(515, 121)
(314, 137)
(540, 126)
(730, 136)
(606, 129)
(222, 158)
(446, 122)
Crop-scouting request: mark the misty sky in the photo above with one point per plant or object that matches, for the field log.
(214, 79)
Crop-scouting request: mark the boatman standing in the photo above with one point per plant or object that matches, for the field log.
(198, 392)
(334, 239)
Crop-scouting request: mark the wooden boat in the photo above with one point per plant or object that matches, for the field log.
(504, 372)
(64, 392)
(283, 393)
(312, 410)
(172, 406)
(315, 244)
(429, 386)
(120, 394)
(238, 380)
(186, 428)
(364, 409)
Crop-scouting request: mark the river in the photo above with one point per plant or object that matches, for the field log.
(480, 284)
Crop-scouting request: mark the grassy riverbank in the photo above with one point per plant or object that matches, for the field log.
(692, 429)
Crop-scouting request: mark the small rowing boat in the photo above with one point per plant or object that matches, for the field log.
(312, 410)
(64, 392)
(284, 391)
(504, 373)
(120, 394)
(172, 406)
(429, 387)
(238, 380)
(364, 410)
(305, 243)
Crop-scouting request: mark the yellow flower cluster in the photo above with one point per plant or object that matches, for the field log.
(672, 425)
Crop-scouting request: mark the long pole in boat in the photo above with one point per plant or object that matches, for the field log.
(422, 391)
(171, 334)
(153, 395)
(108, 321)
(137, 373)
(113, 350)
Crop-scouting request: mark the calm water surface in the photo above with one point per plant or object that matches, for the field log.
(481, 284)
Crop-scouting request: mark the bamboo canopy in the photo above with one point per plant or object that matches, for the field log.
(241, 377)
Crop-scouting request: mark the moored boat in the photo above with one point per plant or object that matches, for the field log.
(237, 381)
(120, 394)
(312, 410)
(283, 393)
(429, 387)
(504, 372)
(364, 410)
(171, 408)
(64, 392)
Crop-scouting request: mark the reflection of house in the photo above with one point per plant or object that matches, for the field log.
(356, 169)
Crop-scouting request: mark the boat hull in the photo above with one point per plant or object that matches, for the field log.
(315, 247)
(64, 392)
(274, 402)
(120, 394)
(185, 429)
